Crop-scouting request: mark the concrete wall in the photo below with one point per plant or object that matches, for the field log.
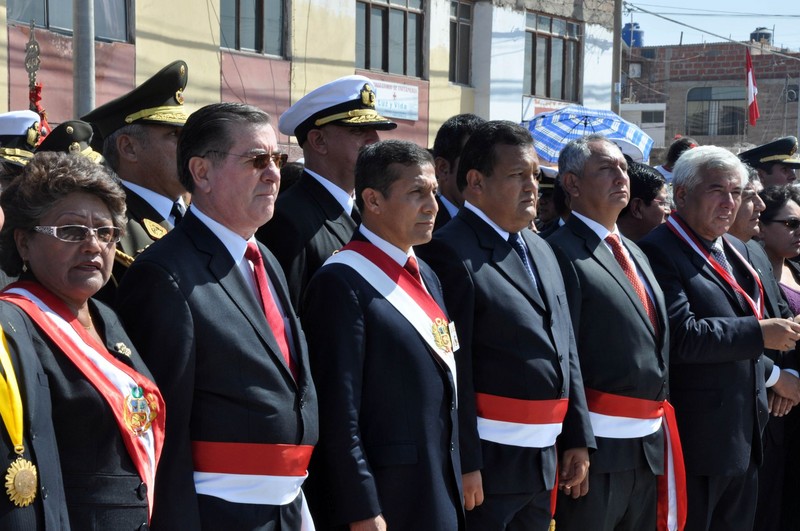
(597, 63)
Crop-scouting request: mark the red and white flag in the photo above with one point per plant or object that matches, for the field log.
(752, 92)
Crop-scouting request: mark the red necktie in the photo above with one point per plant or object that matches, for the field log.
(413, 268)
(274, 318)
(630, 271)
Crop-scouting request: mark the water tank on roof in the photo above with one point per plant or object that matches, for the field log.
(633, 35)
(762, 35)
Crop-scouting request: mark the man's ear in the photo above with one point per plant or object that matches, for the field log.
(679, 195)
(442, 167)
(571, 184)
(128, 148)
(476, 181)
(198, 167)
(373, 200)
(635, 207)
(317, 141)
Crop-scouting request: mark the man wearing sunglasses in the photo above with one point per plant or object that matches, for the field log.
(138, 133)
(719, 330)
(317, 216)
(208, 308)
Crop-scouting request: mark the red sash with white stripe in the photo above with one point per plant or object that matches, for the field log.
(609, 412)
(403, 292)
(516, 422)
(134, 400)
(679, 228)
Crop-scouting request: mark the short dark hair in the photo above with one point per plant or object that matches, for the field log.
(646, 182)
(49, 177)
(479, 151)
(677, 148)
(374, 165)
(207, 133)
(775, 198)
(451, 134)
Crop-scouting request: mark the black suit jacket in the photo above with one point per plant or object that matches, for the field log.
(716, 364)
(202, 332)
(516, 342)
(101, 485)
(388, 421)
(49, 509)
(442, 216)
(632, 362)
(308, 226)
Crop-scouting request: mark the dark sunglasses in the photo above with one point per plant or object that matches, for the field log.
(790, 223)
(80, 233)
(259, 161)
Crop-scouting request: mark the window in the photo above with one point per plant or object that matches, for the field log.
(652, 117)
(110, 16)
(552, 53)
(715, 111)
(389, 36)
(460, 41)
(253, 26)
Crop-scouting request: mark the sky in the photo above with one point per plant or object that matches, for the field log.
(734, 19)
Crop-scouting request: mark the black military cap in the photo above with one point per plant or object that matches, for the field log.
(73, 136)
(159, 101)
(783, 150)
(547, 178)
(347, 101)
(19, 133)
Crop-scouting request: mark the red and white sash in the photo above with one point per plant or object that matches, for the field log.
(134, 400)
(624, 417)
(516, 422)
(403, 292)
(678, 226)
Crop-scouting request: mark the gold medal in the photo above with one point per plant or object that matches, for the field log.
(21, 482)
(441, 335)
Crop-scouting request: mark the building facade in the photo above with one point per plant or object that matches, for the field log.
(431, 59)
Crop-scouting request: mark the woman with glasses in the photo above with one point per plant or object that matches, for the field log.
(779, 232)
(63, 219)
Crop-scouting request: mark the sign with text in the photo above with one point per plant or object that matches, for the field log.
(396, 100)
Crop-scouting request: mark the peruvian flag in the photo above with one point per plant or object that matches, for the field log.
(752, 92)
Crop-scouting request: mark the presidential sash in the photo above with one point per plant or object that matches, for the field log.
(624, 417)
(406, 294)
(682, 231)
(135, 401)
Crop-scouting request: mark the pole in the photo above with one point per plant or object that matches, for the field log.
(617, 59)
(83, 56)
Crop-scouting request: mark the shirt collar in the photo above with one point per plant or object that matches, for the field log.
(597, 228)
(478, 212)
(161, 204)
(235, 244)
(451, 208)
(341, 197)
(395, 253)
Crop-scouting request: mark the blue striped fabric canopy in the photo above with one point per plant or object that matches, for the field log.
(551, 131)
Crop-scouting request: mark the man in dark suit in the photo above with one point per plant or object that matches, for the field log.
(782, 382)
(209, 310)
(649, 204)
(315, 217)
(623, 371)
(518, 372)
(138, 133)
(718, 331)
(382, 360)
(447, 146)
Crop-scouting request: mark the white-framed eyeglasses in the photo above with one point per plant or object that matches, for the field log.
(80, 233)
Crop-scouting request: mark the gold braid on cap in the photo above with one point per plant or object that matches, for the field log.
(778, 158)
(355, 116)
(165, 113)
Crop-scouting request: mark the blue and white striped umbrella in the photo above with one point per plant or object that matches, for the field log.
(551, 131)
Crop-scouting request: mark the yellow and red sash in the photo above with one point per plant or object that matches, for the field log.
(624, 417)
(405, 293)
(679, 228)
(134, 400)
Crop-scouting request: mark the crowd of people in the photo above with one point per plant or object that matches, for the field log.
(404, 338)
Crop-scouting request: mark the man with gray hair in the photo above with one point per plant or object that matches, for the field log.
(719, 331)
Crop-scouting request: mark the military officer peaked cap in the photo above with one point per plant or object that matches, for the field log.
(73, 136)
(347, 101)
(159, 101)
(19, 134)
(783, 150)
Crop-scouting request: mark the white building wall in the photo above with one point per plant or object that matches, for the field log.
(598, 58)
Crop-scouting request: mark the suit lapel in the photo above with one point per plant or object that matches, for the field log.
(338, 222)
(222, 267)
(504, 257)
